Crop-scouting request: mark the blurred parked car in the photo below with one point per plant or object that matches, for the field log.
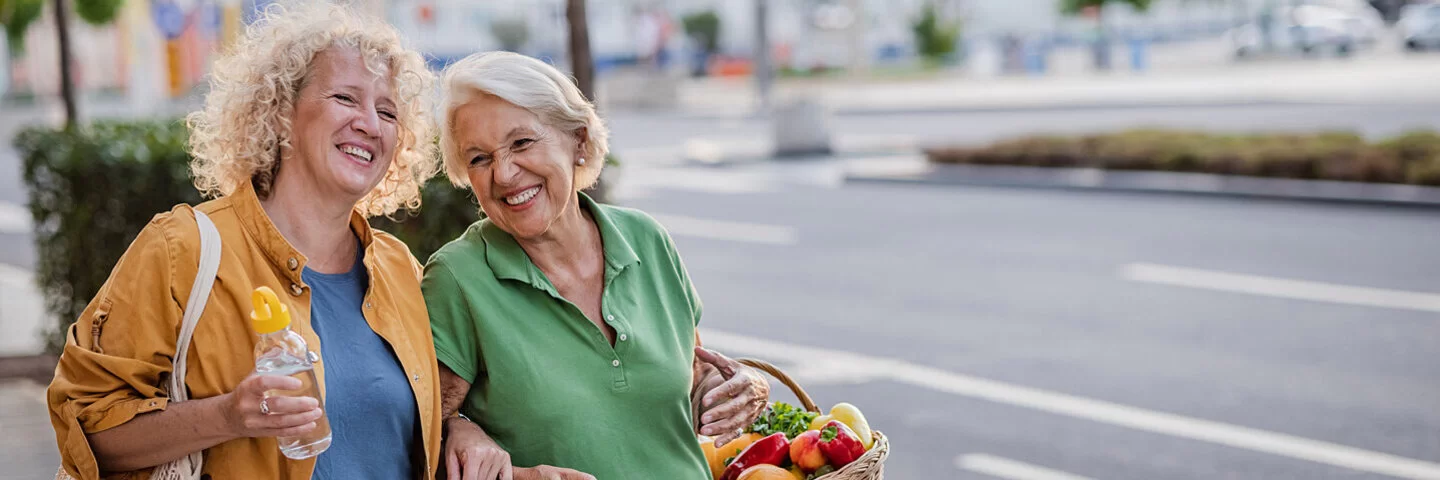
(1420, 26)
(1307, 30)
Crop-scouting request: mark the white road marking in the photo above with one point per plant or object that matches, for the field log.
(837, 363)
(14, 218)
(1280, 287)
(724, 230)
(1006, 468)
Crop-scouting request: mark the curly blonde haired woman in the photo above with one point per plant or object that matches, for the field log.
(316, 121)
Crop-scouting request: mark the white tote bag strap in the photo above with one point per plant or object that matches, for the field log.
(199, 293)
(187, 467)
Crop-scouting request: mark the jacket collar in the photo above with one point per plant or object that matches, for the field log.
(274, 245)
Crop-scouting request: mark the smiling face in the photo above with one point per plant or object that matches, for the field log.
(343, 130)
(521, 170)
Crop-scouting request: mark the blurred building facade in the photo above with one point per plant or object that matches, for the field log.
(162, 48)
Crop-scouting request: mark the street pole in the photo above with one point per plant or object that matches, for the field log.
(764, 70)
(67, 80)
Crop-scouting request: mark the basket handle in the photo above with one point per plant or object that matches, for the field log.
(766, 367)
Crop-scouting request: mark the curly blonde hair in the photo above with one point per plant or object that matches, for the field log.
(238, 135)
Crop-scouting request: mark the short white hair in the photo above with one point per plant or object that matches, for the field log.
(527, 83)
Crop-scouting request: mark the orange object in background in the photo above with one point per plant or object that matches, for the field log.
(729, 67)
(175, 66)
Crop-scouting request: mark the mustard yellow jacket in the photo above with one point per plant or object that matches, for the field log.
(118, 354)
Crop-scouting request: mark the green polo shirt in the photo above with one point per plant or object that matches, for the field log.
(544, 381)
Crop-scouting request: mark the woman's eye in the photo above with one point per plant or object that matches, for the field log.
(388, 115)
(344, 98)
(521, 143)
(479, 160)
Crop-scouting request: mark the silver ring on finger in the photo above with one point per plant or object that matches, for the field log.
(264, 407)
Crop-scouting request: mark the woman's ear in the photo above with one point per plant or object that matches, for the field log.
(582, 141)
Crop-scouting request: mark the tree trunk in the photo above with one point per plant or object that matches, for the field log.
(67, 81)
(582, 65)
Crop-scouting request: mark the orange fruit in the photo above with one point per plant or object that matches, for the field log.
(766, 472)
(716, 456)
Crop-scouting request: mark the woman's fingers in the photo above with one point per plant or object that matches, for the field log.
(256, 385)
(727, 366)
(471, 465)
(733, 387)
(726, 418)
(292, 431)
(452, 465)
(287, 405)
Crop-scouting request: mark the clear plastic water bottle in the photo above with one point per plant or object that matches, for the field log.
(281, 351)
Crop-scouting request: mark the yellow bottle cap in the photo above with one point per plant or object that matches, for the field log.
(270, 313)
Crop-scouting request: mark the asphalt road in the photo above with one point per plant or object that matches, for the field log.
(1030, 289)
(1067, 297)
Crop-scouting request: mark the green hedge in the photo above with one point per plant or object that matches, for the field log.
(1409, 158)
(91, 191)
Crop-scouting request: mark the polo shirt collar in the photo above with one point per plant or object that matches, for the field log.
(509, 261)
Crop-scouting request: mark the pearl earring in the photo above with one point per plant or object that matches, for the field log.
(581, 161)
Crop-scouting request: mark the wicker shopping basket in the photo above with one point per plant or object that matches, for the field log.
(870, 466)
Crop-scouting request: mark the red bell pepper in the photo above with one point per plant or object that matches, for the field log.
(773, 450)
(840, 444)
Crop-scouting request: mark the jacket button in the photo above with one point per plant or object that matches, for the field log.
(293, 263)
(295, 289)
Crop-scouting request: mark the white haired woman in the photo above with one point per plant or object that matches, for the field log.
(565, 329)
(317, 120)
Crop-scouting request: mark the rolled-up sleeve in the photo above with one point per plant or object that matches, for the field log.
(117, 356)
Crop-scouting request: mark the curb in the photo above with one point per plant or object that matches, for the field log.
(1089, 179)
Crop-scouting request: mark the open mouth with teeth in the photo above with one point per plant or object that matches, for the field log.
(522, 198)
(357, 153)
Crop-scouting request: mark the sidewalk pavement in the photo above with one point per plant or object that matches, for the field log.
(22, 313)
(1380, 79)
(27, 447)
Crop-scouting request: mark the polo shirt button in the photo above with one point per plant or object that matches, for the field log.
(623, 337)
(609, 317)
(295, 289)
(615, 363)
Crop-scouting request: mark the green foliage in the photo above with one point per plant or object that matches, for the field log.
(445, 212)
(784, 418)
(704, 27)
(90, 193)
(934, 39)
(17, 16)
(512, 33)
(1410, 158)
(98, 12)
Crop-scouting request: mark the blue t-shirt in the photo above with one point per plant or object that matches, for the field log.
(374, 420)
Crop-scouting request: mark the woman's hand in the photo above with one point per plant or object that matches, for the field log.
(734, 404)
(546, 472)
(470, 454)
(249, 414)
